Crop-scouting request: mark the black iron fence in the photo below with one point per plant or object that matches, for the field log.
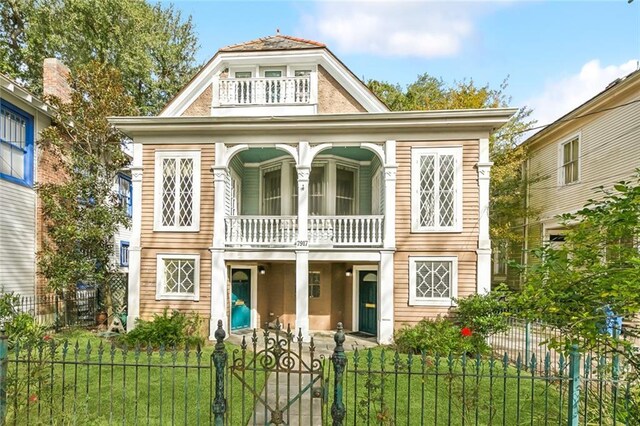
(73, 308)
(275, 377)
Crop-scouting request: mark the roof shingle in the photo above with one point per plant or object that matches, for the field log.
(275, 42)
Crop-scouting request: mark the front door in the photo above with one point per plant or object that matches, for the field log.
(368, 290)
(240, 298)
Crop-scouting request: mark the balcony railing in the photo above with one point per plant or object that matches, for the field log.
(346, 230)
(324, 231)
(265, 91)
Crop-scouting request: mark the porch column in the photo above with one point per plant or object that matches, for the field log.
(483, 272)
(218, 267)
(133, 298)
(390, 169)
(302, 255)
(385, 298)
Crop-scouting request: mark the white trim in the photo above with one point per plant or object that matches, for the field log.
(160, 155)
(416, 154)
(221, 60)
(253, 322)
(355, 291)
(160, 293)
(561, 144)
(432, 301)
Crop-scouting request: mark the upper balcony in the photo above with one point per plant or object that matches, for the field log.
(265, 91)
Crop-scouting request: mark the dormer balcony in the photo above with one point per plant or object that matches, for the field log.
(258, 91)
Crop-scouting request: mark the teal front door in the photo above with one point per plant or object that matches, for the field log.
(240, 299)
(368, 290)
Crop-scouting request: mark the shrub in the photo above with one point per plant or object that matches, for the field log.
(439, 336)
(168, 330)
(483, 314)
(21, 328)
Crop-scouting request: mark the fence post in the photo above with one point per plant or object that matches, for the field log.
(4, 362)
(339, 360)
(527, 342)
(219, 356)
(574, 387)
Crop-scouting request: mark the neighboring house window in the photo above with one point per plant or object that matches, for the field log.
(432, 280)
(125, 193)
(271, 191)
(16, 144)
(314, 285)
(124, 253)
(178, 277)
(436, 184)
(570, 161)
(177, 191)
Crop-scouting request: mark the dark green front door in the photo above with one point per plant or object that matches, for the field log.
(368, 290)
(240, 298)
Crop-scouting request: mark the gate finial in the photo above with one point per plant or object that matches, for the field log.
(339, 338)
(220, 333)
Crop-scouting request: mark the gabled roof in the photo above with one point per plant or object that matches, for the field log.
(275, 42)
(590, 107)
(25, 95)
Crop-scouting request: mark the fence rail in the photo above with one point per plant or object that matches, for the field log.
(91, 381)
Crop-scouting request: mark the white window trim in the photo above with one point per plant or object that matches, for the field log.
(561, 145)
(416, 153)
(432, 301)
(157, 191)
(160, 293)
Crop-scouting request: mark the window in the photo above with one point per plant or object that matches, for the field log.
(302, 73)
(570, 161)
(432, 280)
(436, 184)
(243, 74)
(178, 277)
(125, 193)
(345, 191)
(314, 285)
(177, 190)
(317, 187)
(124, 253)
(16, 145)
(271, 191)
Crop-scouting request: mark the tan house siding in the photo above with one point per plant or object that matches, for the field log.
(461, 244)
(332, 97)
(154, 243)
(201, 107)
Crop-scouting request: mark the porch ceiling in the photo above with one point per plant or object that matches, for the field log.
(258, 155)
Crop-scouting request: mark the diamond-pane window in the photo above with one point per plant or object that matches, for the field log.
(177, 190)
(437, 189)
(178, 277)
(432, 280)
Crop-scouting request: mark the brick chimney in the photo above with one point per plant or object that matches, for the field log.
(55, 80)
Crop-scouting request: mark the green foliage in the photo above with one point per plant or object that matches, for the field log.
(438, 336)
(596, 270)
(484, 314)
(20, 327)
(82, 211)
(168, 330)
(152, 45)
(507, 187)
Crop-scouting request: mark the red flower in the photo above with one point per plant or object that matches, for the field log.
(466, 332)
(46, 338)
(33, 398)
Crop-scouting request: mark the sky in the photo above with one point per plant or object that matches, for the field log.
(555, 54)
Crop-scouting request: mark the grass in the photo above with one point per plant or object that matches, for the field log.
(92, 382)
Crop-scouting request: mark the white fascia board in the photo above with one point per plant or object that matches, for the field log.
(25, 96)
(313, 56)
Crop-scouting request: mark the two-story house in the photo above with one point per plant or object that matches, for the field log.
(276, 185)
(596, 144)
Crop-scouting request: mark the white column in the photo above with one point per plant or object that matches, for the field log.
(302, 292)
(483, 275)
(133, 298)
(390, 169)
(302, 256)
(385, 298)
(218, 267)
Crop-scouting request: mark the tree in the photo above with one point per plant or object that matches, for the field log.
(507, 190)
(593, 276)
(152, 46)
(83, 213)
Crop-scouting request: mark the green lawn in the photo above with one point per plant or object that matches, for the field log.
(110, 386)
